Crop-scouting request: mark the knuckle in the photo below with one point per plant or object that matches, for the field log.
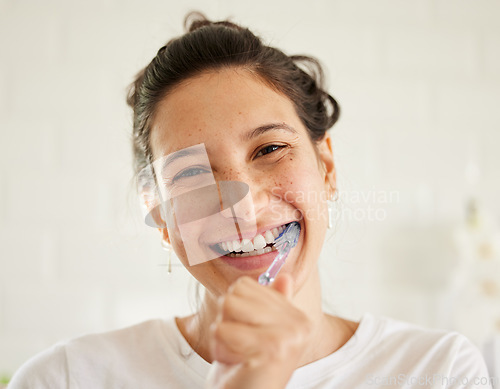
(242, 281)
(220, 303)
(277, 348)
(218, 331)
(228, 306)
(215, 329)
(236, 285)
(239, 285)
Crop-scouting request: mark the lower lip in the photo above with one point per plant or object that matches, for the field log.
(251, 263)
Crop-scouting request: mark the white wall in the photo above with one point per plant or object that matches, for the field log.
(418, 83)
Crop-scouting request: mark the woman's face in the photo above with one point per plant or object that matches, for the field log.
(288, 180)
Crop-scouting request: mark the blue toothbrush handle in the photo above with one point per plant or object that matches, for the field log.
(271, 273)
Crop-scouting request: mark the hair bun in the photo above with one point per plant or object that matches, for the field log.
(195, 20)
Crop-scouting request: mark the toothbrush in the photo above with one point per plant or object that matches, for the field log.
(284, 243)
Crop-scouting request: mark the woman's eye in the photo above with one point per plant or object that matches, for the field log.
(189, 173)
(268, 149)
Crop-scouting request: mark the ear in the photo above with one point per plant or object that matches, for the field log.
(326, 162)
(149, 198)
(151, 208)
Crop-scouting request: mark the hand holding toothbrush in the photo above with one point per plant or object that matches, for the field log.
(258, 337)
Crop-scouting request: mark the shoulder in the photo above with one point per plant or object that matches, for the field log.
(78, 356)
(468, 363)
(47, 369)
(399, 332)
(449, 352)
(137, 337)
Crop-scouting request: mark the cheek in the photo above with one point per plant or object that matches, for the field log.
(301, 186)
(176, 240)
(178, 235)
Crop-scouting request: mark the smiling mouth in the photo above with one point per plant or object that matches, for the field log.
(261, 244)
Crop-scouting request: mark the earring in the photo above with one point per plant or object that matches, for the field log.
(330, 203)
(168, 248)
(330, 216)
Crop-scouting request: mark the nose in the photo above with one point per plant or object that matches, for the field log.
(261, 195)
(249, 193)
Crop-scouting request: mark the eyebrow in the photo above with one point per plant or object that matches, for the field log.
(181, 154)
(267, 127)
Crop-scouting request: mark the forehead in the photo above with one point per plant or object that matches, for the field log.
(214, 106)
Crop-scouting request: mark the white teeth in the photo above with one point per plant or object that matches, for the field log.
(267, 249)
(260, 252)
(259, 242)
(269, 237)
(246, 245)
(236, 246)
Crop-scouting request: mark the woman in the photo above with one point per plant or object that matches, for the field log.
(226, 108)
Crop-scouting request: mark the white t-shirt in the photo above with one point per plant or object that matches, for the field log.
(383, 352)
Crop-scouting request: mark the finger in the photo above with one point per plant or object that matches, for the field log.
(219, 350)
(249, 289)
(284, 285)
(236, 308)
(235, 342)
(253, 304)
(250, 311)
(240, 343)
(244, 285)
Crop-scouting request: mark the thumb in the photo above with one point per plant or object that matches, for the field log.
(284, 285)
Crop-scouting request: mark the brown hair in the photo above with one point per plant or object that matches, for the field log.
(211, 45)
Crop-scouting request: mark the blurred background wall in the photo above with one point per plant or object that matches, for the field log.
(417, 232)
